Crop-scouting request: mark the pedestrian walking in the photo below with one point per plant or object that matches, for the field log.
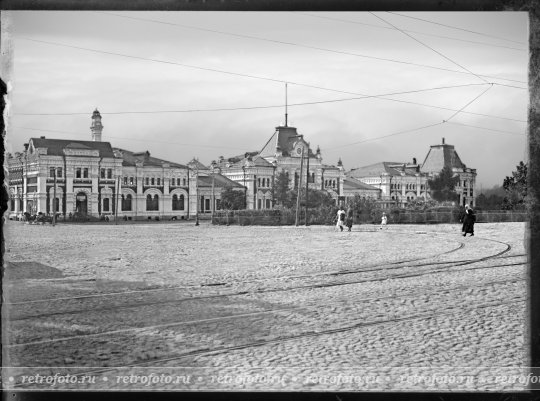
(468, 220)
(340, 218)
(384, 220)
(349, 220)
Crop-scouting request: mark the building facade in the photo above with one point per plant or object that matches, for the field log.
(403, 182)
(92, 178)
(285, 152)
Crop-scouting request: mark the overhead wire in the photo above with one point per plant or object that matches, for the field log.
(487, 129)
(294, 44)
(424, 33)
(130, 139)
(455, 27)
(429, 47)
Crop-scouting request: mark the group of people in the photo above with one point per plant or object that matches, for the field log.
(346, 219)
(343, 218)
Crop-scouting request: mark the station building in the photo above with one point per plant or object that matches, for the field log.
(95, 179)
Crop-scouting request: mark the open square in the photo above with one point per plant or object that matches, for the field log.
(184, 307)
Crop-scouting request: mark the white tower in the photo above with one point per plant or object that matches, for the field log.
(96, 126)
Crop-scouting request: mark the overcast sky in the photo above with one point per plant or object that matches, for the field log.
(188, 61)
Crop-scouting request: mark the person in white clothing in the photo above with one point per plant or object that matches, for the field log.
(384, 220)
(340, 218)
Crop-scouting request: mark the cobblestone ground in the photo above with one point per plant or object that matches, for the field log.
(179, 307)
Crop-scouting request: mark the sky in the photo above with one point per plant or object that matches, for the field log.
(364, 87)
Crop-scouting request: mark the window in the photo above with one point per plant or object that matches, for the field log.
(159, 181)
(147, 181)
(268, 206)
(126, 202)
(184, 181)
(218, 204)
(51, 172)
(152, 181)
(78, 173)
(109, 173)
(130, 180)
(152, 203)
(125, 180)
(106, 204)
(85, 173)
(175, 202)
(259, 204)
(102, 174)
(59, 172)
(56, 204)
(312, 177)
(258, 182)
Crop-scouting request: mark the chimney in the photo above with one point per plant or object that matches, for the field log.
(443, 141)
(414, 160)
(25, 147)
(42, 137)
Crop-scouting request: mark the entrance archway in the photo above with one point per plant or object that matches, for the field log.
(81, 204)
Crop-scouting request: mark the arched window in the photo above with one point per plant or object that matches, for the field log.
(175, 203)
(152, 203)
(258, 182)
(126, 202)
(181, 202)
(156, 202)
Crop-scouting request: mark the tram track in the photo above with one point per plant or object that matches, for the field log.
(383, 267)
(210, 351)
(312, 305)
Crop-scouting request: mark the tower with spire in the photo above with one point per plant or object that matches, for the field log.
(96, 126)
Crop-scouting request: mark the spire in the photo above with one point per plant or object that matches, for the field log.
(96, 126)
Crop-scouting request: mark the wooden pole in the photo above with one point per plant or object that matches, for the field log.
(307, 185)
(54, 199)
(299, 187)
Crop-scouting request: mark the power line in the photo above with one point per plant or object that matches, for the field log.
(294, 44)
(280, 106)
(130, 139)
(488, 129)
(386, 136)
(454, 27)
(421, 33)
(460, 110)
(429, 47)
(382, 96)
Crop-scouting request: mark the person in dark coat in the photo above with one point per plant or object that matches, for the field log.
(468, 221)
(349, 219)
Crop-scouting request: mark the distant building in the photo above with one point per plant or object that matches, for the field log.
(402, 182)
(286, 151)
(444, 155)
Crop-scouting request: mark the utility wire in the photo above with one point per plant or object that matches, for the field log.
(386, 136)
(429, 47)
(196, 67)
(488, 129)
(460, 110)
(423, 33)
(382, 96)
(455, 27)
(130, 139)
(292, 44)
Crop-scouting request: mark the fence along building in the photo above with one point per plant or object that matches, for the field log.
(91, 177)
